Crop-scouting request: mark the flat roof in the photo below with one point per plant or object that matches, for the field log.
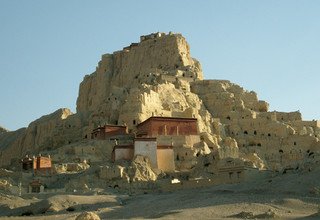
(162, 147)
(129, 146)
(145, 139)
(158, 118)
(109, 125)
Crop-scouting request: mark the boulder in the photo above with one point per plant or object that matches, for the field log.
(88, 216)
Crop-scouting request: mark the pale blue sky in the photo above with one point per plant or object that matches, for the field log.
(46, 48)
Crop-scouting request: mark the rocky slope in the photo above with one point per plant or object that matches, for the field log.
(158, 77)
(3, 130)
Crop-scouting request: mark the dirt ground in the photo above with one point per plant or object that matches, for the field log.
(289, 196)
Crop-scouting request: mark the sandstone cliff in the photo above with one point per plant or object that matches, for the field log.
(158, 77)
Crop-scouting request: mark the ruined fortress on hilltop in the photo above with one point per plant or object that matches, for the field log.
(149, 100)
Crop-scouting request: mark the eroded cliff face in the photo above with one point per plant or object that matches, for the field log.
(140, 63)
(158, 77)
(127, 86)
(39, 135)
(122, 90)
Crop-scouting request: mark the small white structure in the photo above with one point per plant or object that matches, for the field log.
(165, 158)
(147, 147)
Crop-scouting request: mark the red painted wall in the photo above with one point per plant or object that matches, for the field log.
(167, 126)
(42, 165)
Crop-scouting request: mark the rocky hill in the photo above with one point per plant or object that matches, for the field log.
(158, 77)
(3, 130)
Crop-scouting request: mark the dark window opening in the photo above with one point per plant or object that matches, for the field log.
(27, 213)
(255, 132)
(269, 135)
(134, 122)
(245, 132)
(86, 136)
(70, 209)
(69, 142)
(294, 143)
(280, 151)
(177, 157)
(228, 118)
(259, 144)
(183, 75)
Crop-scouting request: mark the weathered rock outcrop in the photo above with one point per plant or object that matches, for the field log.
(44, 133)
(158, 77)
(3, 130)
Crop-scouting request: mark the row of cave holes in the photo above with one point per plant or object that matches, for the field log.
(197, 155)
(233, 109)
(310, 153)
(255, 133)
(259, 144)
(268, 118)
